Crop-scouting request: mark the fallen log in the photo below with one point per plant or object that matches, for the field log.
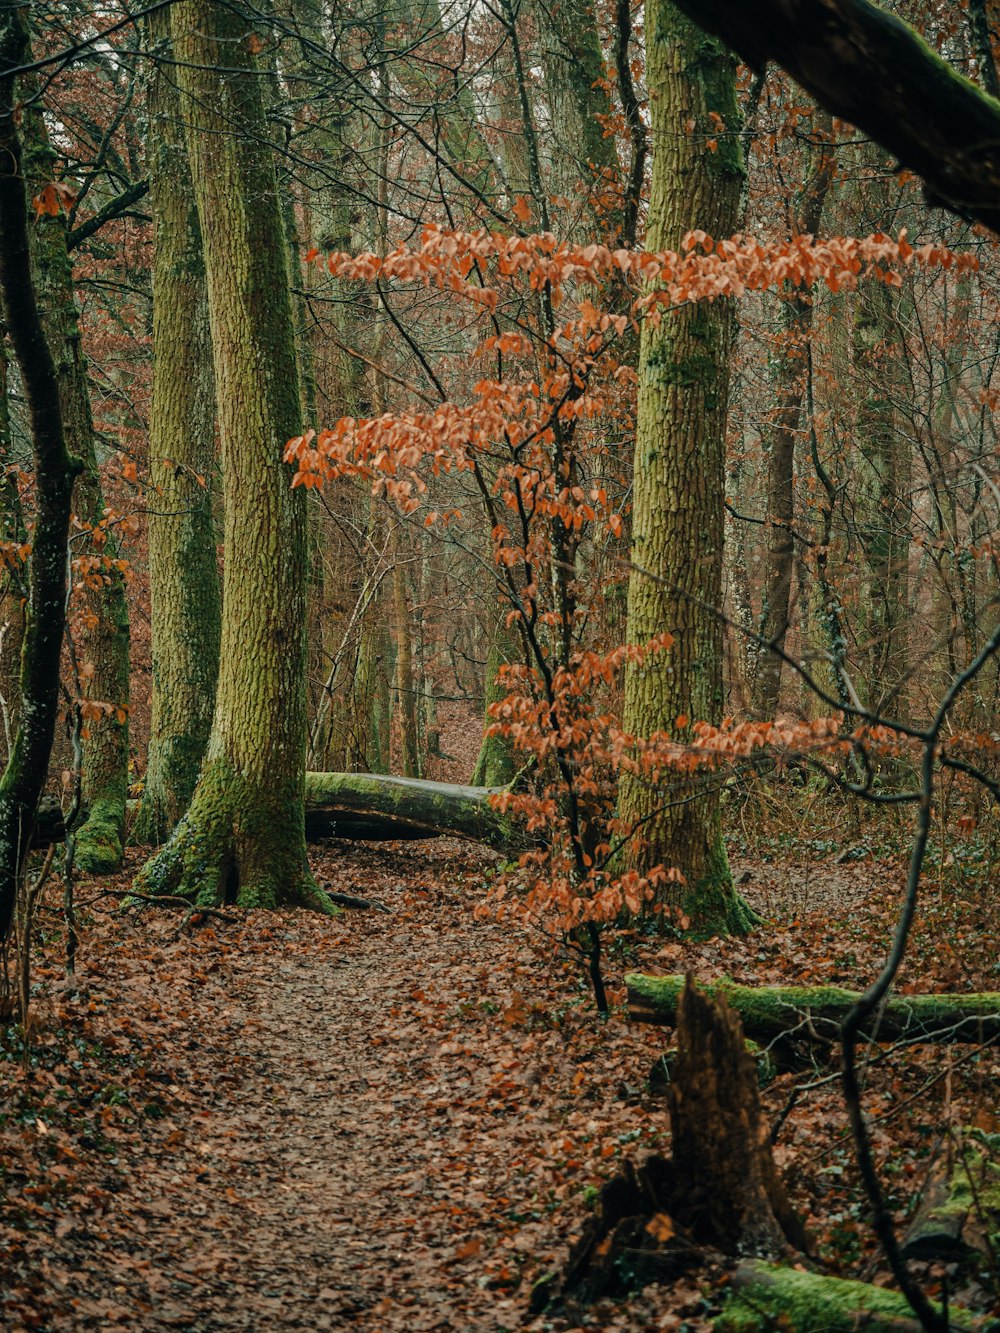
(814, 1013)
(767, 1296)
(374, 807)
(959, 1212)
(377, 807)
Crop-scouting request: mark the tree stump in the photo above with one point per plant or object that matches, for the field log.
(719, 1190)
(726, 1187)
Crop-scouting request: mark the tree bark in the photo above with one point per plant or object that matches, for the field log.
(815, 1013)
(243, 837)
(677, 515)
(55, 470)
(875, 71)
(103, 633)
(183, 565)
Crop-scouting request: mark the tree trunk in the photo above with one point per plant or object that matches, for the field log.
(815, 1013)
(495, 766)
(243, 837)
(13, 587)
(54, 469)
(789, 379)
(183, 566)
(103, 636)
(405, 693)
(677, 515)
(584, 161)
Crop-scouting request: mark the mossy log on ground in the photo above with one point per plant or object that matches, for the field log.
(814, 1014)
(377, 806)
(767, 1296)
(959, 1212)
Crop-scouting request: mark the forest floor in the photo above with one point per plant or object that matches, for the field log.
(391, 1121)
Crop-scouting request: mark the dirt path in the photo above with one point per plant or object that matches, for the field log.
(389, 1123)
(318, 1125)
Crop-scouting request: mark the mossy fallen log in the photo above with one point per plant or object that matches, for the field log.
(378, 807)
(959, 1212)
(813, 1014)
(767, 1296)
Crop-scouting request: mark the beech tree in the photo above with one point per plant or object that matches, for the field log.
(243, 838)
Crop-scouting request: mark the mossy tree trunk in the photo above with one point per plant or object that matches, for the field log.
(12, 581)
(54, 471)
(242, 838)
(103, 634)
(815, 1013)
(495, 766)
(679, 480)
(584, 161)
(183, 566)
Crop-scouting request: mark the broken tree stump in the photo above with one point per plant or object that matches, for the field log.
(720, 1188)
(813, 1014)
(726, 1186)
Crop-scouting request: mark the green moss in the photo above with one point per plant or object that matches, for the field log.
(233, 847)
(713, 905)
(99, 843)
(803, 1302)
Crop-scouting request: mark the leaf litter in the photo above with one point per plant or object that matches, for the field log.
(391, 1122)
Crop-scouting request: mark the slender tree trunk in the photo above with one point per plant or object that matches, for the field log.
(405, 693)
(495, 766)
(789, 380)
(12, 571)
(55, 470)
(103, 643)
(679, 475)
(243, 837)
(183, 566)
(584, 171)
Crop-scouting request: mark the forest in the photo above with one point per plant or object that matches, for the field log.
(499, 665)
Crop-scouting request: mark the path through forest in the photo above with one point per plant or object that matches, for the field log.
(382, 1122)
(303, 1124)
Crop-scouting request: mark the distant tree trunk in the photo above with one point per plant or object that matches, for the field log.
(584, 160)
(405, 694)
(243, 838)
(54, 472)
(789, 381)
(679, 485)
(104, 634)
(183, 566)
(495, 766)
(884, 498)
